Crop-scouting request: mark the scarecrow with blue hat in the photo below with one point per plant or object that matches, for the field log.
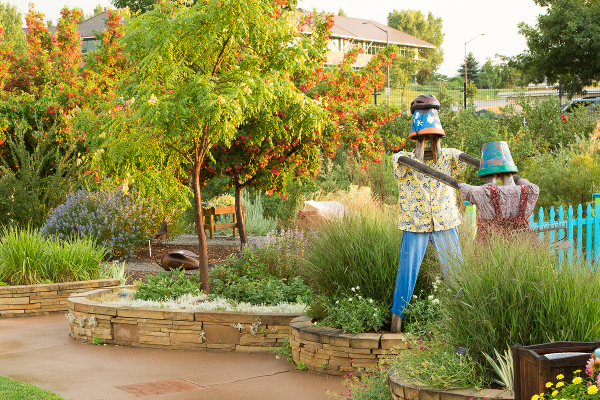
(427, 207)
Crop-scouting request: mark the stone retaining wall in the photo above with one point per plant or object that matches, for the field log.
(405, 391)
(334, 352)
(44, 299)
(174, 329)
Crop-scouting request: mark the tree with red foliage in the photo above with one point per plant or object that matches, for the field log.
(270, 149)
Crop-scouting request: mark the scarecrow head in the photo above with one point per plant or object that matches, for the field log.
(426, 126)
(497, 163)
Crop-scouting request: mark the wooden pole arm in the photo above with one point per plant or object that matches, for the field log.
(424, 169)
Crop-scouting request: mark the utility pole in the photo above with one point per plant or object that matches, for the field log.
(465, 88)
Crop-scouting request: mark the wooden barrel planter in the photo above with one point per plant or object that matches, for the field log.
(406, 391)
(209, 219)
(536, 365)
(173, 329)
(334, 352)
(31, 300)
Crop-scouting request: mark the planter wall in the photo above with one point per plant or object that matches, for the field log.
(44, 299)
(334, 352)
(405, 391)
(174, 329)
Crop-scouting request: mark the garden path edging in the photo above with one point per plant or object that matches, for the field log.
(334, 352)
(406, 391)
(31, 300)
(174, 329)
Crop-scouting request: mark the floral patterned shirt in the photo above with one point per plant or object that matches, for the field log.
(510, 197)
(426, 204)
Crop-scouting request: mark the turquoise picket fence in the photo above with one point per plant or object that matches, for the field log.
(556, 228)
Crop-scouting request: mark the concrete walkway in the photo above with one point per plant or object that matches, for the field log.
(38, 350)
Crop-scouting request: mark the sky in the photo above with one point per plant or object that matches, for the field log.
(463, 20)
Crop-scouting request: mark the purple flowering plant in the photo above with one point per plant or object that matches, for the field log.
(120, 221)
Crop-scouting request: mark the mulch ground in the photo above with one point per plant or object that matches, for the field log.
(216, 254)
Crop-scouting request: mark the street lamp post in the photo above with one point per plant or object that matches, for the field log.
(387, 43)
(465, 91)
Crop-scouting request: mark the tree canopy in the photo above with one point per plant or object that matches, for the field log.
(563, 44)
(414, 23)
(200, 72)
(12, 25)
(472, 68)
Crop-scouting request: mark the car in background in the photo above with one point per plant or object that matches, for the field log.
(592, 103)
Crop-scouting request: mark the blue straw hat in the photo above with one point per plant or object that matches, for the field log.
(496, 159)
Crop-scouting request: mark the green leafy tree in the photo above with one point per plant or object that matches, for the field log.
(489, 76)
(98, 9)
(203, 71)
(472, 68)
(563, 44)
(429, 29)
(12, 23)
(134, 5)
(342, 13)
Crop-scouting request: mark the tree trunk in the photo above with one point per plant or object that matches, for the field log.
(239, 215)
(202, 244)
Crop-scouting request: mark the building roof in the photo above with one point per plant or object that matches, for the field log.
(364, 29)
(96, 23)
(86, 28)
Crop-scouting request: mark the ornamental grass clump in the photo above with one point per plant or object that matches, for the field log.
(513, 290)
(120, 221)
(359, 249)
(28, 258)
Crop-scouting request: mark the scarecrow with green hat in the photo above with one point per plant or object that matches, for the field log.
(504, 208)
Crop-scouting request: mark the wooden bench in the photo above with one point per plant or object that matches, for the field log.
(209, 219)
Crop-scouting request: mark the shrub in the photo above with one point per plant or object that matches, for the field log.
(35, 176)
(256, 221)
(278, 255)
(120, 221)
(28, 258)
(513, 290)
(257, 287)
(423, 312)
(371, 385)
(436, 364)
(168, 285)
(353, 313)
(569, 175)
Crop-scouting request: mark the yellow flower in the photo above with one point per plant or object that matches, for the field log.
(555, 393)
(592, 389)
(535, 397)
(560, 384)
(548, 384)
(559, 377)
(577, 380)
(578, 371)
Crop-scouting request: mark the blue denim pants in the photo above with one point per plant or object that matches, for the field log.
(412, 251)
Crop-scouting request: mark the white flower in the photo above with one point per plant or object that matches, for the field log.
(357, 288)
(337, 302)
(435, 301)
(360, 297)
(371, 301)
(375, 314)
(354, 290)
(430, 297)
(414, 297)
(350, 299)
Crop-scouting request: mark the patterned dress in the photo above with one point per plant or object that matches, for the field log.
(426, 204)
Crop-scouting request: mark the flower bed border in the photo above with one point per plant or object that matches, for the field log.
(406, 391)
(339, 352)
(174, 329)
(32, 300)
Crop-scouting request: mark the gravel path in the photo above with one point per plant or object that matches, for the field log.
(189, 240)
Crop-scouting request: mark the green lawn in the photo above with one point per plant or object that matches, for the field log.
(15, 390)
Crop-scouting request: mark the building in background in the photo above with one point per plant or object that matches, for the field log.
(348, 33)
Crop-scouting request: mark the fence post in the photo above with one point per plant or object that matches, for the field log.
(596, 197)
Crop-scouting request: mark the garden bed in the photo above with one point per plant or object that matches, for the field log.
(334, 352)
(405, 391)
(93, 321)
(44, 299)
